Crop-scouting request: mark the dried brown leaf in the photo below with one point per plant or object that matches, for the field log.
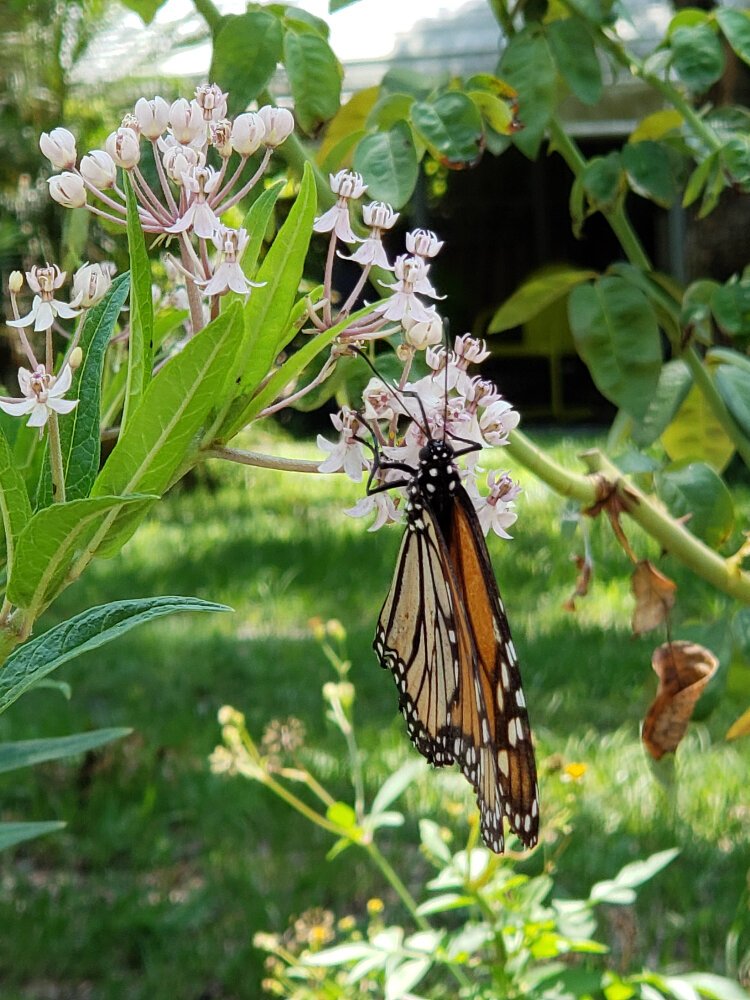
(585, 569)
(654, 597)
(684, 669)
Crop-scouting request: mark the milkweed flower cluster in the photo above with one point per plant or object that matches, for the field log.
(191, 194)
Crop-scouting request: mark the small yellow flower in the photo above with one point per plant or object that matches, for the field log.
(347, 923)
(574, 771)
(317, 628)
(375, 906)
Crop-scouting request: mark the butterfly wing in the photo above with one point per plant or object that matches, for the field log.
(489, 725)
(416, 639)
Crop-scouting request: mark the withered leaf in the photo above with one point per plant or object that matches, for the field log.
(684, 669)
(585, 569)
(654, 597)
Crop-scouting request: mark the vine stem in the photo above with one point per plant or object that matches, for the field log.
(261, 461)
(55, 458)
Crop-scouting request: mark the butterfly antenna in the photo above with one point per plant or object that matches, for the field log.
(398, 393)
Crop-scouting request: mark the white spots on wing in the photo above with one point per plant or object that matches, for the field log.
(485, 731)
(520, 700)
(527, 822)
(512, 734)
(511, 651)
(505, 675)
(432, 470)
(457, 746)
(535, 808)
(503, 762)
(517, 821)
(500, 698)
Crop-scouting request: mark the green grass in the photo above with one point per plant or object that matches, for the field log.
(165, 872)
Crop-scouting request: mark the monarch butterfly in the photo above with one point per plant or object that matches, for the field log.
(444, 635)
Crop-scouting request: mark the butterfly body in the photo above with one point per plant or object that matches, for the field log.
(444, 635)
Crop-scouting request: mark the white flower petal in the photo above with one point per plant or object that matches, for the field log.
(39, 415)
(62, 405)
(17, 407)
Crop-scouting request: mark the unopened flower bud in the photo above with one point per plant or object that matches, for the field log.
(59, 146)
(220, 137)
(278, 122)
(248, 132)
(76, 358)
(15, 282)
(99, 169)
(178, 160)
(186, 119)
(90, 284)
(423, 334)
(68, 190)
(152, 116)
(124, 148)
(211, 101)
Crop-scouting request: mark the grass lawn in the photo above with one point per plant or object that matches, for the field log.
(165, 871)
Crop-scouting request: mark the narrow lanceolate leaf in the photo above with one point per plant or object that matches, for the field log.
(617, 336)
(50, 541)
(162, 431)
(25, 753)
(14, 501)
(268, 307)
(141, 345)
(315, 76)
(15, 833)
(528, 67)
(256, 223)
(389, 162)
(292, 369)
(38, 657)
(79, 431)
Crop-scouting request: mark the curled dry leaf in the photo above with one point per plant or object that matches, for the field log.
(684, 669)
(654, 597)
(585, 568)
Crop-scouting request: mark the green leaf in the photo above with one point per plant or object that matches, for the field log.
(267, 311)
(80, 430)
(15, 507)
(603, 181)
(25, 753)
(730, 305)
(736, 27)
(608, 891)
(649, 169)
(400, 981)
(38, 657)
(528, 67)
(162, 431)
(693, 489)
(695, 311)
(712, 986)
(494, 110)
(733, 383)
(49, 542)
(735, 157)
(699, 178)
(696, 434)
(451, 128)
(339, 954)
(256, 224)
(617, 336)
(387, 110)
(315, 76)
(388, 162)
(698, 56)
(672, 389)
(537, 294)
(637, 872)
(575, 55)
(433, 843)
(141, 339)
(342, 815)
(246, 49)
(349, 121)
(395, 785)
(292, 368)
(15, 833)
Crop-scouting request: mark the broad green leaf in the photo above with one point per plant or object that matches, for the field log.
(733, 383)
(256, 223)
(162, 431)
(38, 657)
(349, 120)
(246, 49)
(528, 67)
(494, 110)
(451, 128)
(388, 162)
(637, 872)
(291, 369)
(405, 976)
(617, 336)
(650, 174)
(537, 294)
(389, 109)
(266, 314)
(603, 181)
(735, 157)
(49, 542)
(608, 891)
(395, 785)
(698, 56)
(15, 833)
(141, 339)
(315, 76)
(576, 58)
(730, 304)
(696, 434)
(693, 490)
(25, 753)
(673, 386)
(695, 311)
(736, 27)
(15, 507)
(655, 126)
(297, 17)
(445, 901)
(79, 430)
(342, 814)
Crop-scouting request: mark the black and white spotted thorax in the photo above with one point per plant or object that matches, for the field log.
(434, 484)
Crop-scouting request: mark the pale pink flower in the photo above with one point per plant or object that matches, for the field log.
(124, 147)
(248, 132)
(179, 160)
(99, 169)
(229, 276)
(68, 189)
(424, 334)
(42, 394)
(347, 185)
(411, 273)
(384, 506)
(91, 283)
(186, 119)
(44, 281)
(496, 510)
(278, 123)
(423, 243)
(497, 421)
(200, 182)
(220, 136)
(59, 146)
(348, 453)
(152, 116)
(212, 101)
